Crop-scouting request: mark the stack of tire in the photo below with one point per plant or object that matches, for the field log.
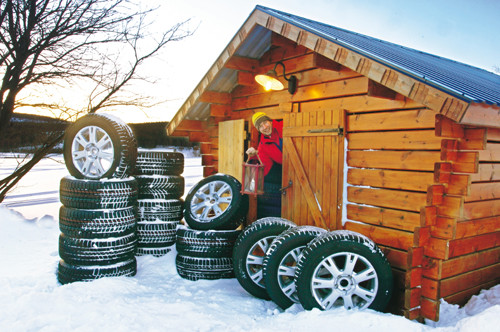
(213, 210)
(274, 259)
(159, 206)
(98, 214)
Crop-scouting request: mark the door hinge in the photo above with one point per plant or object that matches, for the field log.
(339, 131)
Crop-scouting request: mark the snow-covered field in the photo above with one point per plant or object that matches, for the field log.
(157, 299)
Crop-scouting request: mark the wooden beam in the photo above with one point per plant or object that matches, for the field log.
(191, 125)
(242, 63)
(246, 78)
(378, 90)
(220, 110)
(482, 115)
(215, 97)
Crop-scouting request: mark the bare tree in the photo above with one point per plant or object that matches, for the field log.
(64, 42)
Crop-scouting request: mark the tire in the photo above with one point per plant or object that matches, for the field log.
(67, 273)
(250, 249)
(157, 252)
(195, 268)
(76, 251)
(99, 224)
(155, 210)
(216, 203)
(210, 244)
(159, 163)
(93, 194)
(156, 234)
(160, 186)
(99, 146)
(281, 260)
(325, 281)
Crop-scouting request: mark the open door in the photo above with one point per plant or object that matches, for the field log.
(313, 162)
(231, 145)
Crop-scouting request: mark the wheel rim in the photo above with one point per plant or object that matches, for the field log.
(286, 273)
(255, 258)
(344, 279)
(211, 200)
(92, 152)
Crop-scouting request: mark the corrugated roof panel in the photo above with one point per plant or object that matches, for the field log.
(464, 81)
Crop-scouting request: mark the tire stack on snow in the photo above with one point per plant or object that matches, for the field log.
(275, 259)
(213, 210)
(98, 216)
(161, 187)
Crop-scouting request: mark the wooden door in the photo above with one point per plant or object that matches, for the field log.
(313, 160)
(231, 144)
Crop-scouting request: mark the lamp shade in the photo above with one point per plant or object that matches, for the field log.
(269, 81)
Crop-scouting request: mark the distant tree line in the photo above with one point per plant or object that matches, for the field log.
(27, 132)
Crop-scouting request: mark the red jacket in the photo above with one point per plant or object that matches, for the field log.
(271, 147)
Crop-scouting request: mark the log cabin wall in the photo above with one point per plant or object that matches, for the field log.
(462, 255)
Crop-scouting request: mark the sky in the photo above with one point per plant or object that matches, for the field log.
(463, 30)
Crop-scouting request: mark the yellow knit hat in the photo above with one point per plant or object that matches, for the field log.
(258, 117)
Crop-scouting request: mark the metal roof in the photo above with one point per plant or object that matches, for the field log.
(463, 81)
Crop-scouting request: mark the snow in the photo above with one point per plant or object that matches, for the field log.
(157, 299)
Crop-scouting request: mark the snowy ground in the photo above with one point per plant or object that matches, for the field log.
(157, 299)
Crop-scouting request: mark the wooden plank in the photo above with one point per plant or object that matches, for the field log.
(397, 219)
(451, 206)
(438, 269)
(444, 228)
(304, 183)
(215, 97)
(397, 258)
(464, 281)
(231, 144)
(359, 104)
(446, 127)
(481, 209)
(246, 78)
(469, 228)
(469, 245)
(406, 180)
(402, 160)
(219, 110)
(394, 140)
(493, 135)
(198, 136)
(458, 184)
(483, 191)
(491, 153)
(396, 199)
(463, 297)
(396, 120)
(383, 236)
(191, 125)
(429, 308)
(437, 248)
(487, 172)
(474, 139)
(242, 63)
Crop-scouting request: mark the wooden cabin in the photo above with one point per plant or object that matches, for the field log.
(396, 144)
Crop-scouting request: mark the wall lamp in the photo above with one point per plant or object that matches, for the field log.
(270, 80)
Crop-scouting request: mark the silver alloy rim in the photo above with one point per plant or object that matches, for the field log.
(92, 151)
(211, 200)
(344, 279)
(255, 258)
(286, 273)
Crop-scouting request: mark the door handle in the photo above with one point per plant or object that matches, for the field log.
(283, 190)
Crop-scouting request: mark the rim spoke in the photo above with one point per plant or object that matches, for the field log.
(257, 277)
(365, 275)
(79, 154)
(205, 213)
(195, 208)
(289, 290)
(263, 245)
(225, 187)
(329, 301)
(105, 140)
(348, 304)
(217, 210)
(330, 265)
(226, 200)
(92, 134)
(350, 263)
(254, 260)
(106, 156)
(286, 271)
(80, 139)
(321, 283)
(365, 294)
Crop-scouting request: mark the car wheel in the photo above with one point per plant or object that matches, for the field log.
(250, 249)
(99, 146)
(216, 203)
(343, 269)
(281, 261)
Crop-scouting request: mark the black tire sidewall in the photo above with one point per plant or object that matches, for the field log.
(313, 255)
